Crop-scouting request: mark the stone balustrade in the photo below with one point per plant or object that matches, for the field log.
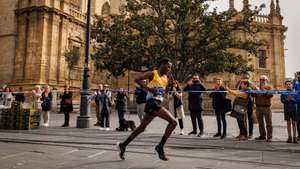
(262, 18)
(77, 14)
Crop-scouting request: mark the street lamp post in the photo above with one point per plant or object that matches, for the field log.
(83, 120)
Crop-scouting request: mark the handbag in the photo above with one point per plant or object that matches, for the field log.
(227, 105)
(240, 108)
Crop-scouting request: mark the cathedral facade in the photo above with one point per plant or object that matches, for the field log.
(35, 35)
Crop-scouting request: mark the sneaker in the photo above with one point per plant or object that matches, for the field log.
(97, 124)
(238, 137)
(181, 132)
(289, 140)
(200, 134)
(192, 133)
(65, 125)
(122, 150)
(161, 154)
(295, 140)
(217, 135)
(46, 125)
(269, 140)
(107, 129)
(260, 138)
(250, 136)
(102, 128)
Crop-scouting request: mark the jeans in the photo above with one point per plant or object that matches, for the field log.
(121, 116)
(221, 121)
(104, 118)
(196, 116)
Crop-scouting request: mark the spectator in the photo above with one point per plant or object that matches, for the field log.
(296, 84)
(1, 95)
(240, 107)
(108, 93)
(176, 104)
(66, 105)
(121, 101)
(290, 111)
(7, 97)
(36, 96)
(104, 108)
(218, 103)
(97, 96)
(141, 96)
(194, 88)
(46, 105)
(263, 110)
(19, 96)
(247, 76)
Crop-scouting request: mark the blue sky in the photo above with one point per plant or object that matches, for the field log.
(291, 13)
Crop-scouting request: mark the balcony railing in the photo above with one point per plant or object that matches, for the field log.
(262, 18)
(78, 15)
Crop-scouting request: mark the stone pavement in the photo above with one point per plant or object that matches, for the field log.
(63, 148)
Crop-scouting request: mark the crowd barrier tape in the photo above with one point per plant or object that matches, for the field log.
(163, 91)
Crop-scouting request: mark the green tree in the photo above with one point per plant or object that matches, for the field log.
(72, 57)
(195, 39)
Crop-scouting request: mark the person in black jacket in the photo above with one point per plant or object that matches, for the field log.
(194, 88)
(121, 101)
(19, 96)
(96, 96)
(66, 105)
(218, 103)
(46, 105)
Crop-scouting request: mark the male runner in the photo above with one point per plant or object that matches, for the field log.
(158, 82)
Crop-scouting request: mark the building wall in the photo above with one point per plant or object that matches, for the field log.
(7, 39)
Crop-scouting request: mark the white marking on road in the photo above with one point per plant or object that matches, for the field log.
(97, 154)
(12, 155)
(70, 152)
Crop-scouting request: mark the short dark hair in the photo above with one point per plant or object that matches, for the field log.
(288, 81)
(196, 74)
(163, 61)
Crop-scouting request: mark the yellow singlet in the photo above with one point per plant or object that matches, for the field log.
(160, 82)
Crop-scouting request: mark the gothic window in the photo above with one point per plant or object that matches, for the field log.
(105, 9)
(262, 56)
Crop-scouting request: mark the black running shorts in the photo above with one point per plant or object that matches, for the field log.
(152, 105)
